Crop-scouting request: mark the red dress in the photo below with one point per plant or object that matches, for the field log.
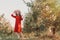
(17, 23)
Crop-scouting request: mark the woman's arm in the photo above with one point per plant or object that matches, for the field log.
(21, 18)
(13, 16)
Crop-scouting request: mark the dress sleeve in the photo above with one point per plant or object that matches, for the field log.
(21, 18)
(13, 16)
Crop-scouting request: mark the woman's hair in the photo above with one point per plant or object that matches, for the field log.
(17, 12)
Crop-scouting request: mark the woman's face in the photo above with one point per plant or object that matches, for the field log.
(17, 13)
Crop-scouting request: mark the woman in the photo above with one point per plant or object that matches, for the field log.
(18, 18)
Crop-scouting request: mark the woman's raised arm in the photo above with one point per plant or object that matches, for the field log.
(13, 16)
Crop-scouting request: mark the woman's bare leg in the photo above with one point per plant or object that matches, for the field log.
(21, 35)
(18, 35)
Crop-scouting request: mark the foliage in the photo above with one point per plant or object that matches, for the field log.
(6, 32)
(43, 12)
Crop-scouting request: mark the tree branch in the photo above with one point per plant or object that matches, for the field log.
(24, 1)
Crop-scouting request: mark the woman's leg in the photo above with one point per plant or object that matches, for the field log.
(21, 35)
(18, 35)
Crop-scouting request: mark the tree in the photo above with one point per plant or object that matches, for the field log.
(6, 29)
(43, 12)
